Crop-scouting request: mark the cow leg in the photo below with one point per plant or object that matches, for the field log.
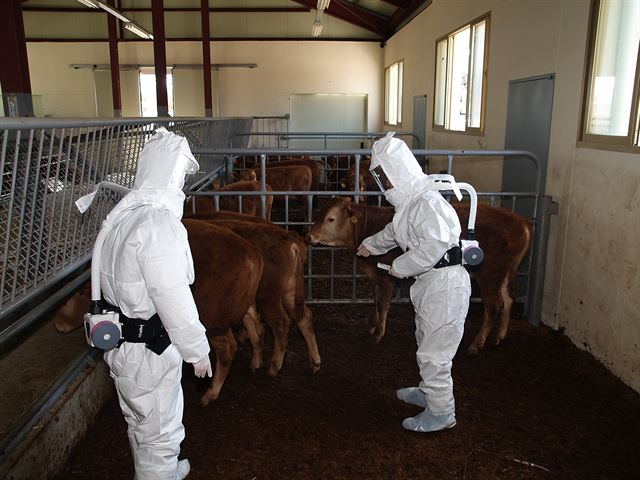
(505, 315)
(305, 325)
(383, 293)
(276, 316)
(226, 348)
(255, 331)
(492, 305)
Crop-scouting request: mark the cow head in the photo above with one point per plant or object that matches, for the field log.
(70, 315)
(335, 225)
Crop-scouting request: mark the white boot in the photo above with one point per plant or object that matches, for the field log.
(184, 467)
(412, 395)
(426, 422)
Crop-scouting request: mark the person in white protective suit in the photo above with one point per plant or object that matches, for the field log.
(426, 227)
(146, 269)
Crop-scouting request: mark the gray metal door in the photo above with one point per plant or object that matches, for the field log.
(528, 128)
(420, 120)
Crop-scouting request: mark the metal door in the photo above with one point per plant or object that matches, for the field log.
(528, 128)
(420, 120)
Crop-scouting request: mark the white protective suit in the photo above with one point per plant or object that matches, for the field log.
(146, 267)
(424, 226)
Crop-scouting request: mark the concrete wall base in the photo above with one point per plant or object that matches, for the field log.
(44, 452)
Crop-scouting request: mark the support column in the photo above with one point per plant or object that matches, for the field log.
(115, 63)
(14, 71)
(206, 58)
(160, 57)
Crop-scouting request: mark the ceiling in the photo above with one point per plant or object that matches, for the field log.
(347, 20)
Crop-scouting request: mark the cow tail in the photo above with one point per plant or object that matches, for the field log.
(300, 254)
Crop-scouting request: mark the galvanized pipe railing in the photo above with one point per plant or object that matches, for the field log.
(46, 164)
(534, 265)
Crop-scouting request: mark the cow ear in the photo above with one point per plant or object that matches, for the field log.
(353, 215)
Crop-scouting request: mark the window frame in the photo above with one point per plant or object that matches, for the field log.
(476, 131)
(606, 142)
(400, 63)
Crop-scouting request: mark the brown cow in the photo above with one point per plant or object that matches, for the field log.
(227, 274)
(504, 236)
(314, 166)
(251, 204)
(280, 297)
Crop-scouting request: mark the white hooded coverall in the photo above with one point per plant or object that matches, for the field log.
(146, 268)
(424, 226)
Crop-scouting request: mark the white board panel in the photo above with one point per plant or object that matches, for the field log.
(328, 113)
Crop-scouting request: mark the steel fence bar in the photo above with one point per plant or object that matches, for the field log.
(36, 262)
(10, 213)
(70, 209)
(21, 225)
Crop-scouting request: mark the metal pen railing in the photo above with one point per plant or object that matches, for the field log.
(47, 164)
(532, 270)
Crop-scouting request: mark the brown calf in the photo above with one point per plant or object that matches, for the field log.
(280, 296)
(251, 204)
(504, 236)
(227, 274)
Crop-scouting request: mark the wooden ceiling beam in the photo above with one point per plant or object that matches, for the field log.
(402, 14)
(352, 14)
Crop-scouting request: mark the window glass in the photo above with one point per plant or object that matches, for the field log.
(614, 68)
(459, 58)
(459, 78)
(441, 82)
(393, 94)
(477, 75)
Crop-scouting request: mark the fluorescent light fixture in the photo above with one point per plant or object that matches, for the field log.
(89, 3)
(113, 12)
(316, 29)
(323, 4)
(138, 30)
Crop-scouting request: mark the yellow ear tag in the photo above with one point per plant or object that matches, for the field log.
(354, 219)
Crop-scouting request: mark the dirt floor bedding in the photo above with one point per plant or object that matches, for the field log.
(536, 407)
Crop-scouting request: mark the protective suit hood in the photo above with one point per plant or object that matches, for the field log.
(163, 163)
(397, 161)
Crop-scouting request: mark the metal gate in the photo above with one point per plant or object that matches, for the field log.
(332, 275)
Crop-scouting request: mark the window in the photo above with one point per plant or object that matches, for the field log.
(460, 84)
(610, 113)
(393, 94)
(148, 98)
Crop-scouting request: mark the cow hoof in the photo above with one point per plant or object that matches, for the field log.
(205, 400)
(496, 341)
(473, 350)
(272, 372)
(315, 368)
(372, 331)
(255, 368)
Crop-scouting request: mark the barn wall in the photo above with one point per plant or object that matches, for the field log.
(283, 68)
(592, 268)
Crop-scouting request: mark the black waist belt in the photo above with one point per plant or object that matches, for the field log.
(452, 257)
(151, 332)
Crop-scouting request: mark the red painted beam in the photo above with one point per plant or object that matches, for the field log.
(115, 62)
(14, 73)
(160, 57)
(206, 59)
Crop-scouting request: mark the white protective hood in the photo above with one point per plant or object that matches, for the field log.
(164, 161)
(400, 167)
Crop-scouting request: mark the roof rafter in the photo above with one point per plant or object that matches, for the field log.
(352, 14)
